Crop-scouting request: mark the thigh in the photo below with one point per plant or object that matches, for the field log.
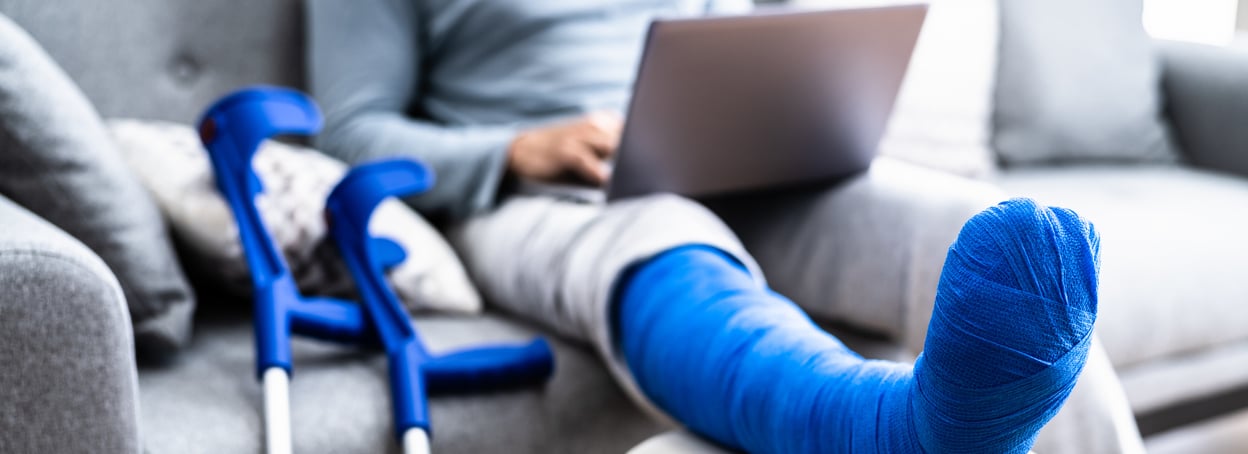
(556, 262)
(866, 251)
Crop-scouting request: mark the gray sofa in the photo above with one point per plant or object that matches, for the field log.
(162, 59)
(1172, 318)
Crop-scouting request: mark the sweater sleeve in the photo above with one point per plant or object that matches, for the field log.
(364, 69)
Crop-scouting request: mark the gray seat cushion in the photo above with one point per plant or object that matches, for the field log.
(210, 400)
(1173, 257)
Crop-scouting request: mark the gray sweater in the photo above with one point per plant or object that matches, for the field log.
(450, 82)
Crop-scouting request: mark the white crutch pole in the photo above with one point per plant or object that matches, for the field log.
(415, 441)
(277, 411)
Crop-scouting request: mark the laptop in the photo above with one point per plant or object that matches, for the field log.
(731, 104)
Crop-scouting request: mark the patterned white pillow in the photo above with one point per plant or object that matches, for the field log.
(174, 166)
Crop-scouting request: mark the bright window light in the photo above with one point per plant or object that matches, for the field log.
(1203, 21)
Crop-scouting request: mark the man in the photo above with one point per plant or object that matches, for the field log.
(494, 92)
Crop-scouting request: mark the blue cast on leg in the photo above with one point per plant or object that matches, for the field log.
(744, 366)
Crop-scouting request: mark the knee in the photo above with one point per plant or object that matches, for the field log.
(665, 204)
(669, 217)
(633, 230)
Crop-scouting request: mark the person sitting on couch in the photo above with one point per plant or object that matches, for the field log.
(487, 92)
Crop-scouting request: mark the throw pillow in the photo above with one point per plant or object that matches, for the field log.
(58, 160)
(174, 166)
(1078, 81)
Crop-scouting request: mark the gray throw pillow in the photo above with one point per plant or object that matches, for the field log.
(58, 160)
(1078, 81)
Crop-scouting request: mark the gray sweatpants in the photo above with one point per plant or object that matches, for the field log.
(866, 252)
(556, 262)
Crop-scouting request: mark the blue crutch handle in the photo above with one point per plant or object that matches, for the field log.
(330, 319)
(413, 370)
(490, 367)
(231, 130)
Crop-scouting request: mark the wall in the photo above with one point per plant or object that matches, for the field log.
(1202, 21)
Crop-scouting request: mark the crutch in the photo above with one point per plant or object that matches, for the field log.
(231, 130)
(412, 368)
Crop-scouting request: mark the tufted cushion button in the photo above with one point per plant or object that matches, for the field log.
(184, 69)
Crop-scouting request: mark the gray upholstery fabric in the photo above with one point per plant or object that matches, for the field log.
(1172, 254)
(210, 402)
(1208, 374)
(67, 377)
(1206, 91)
(57, 160)
(167, 59)
(1077, 81)
(867, 252)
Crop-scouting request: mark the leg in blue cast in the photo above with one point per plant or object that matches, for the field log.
(745, 367)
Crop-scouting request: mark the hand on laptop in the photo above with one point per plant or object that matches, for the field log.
(579, 147)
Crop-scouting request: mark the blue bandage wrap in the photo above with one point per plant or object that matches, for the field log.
(744, 366)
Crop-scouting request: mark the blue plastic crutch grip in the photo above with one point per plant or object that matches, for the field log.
(413, 371)
(232, 129)
(490, 367)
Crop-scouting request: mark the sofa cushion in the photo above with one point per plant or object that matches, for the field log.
(173, 164)
(1173, 253)
(57, 160)
(1078, 81)
(211, 402)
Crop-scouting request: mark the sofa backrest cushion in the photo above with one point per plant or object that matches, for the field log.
(1078, 81)
(166, 59)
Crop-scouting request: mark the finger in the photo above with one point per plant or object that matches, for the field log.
(607, 121)
(602, 145)
(590, 167)
(610, 123)
(603, 133)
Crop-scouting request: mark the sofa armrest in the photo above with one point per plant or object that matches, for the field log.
(68, 381)
(1206, 93)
